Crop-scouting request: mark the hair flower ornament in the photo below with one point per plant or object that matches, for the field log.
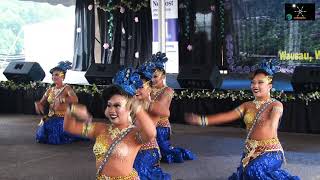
(159, 59)
(128, 80)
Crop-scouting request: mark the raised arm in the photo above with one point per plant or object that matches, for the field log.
(219, 118)
(145, 125)
(77, 121)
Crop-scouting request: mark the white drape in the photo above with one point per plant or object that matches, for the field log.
(56, 2)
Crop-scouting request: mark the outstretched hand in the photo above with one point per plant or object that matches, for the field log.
(192, 119)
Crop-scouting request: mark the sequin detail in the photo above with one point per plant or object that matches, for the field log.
(164, 122)
(150, 145)
(132, 176)
(51, 132)
(248, 118)
(100, 147)
(169, 153)
(254, 148)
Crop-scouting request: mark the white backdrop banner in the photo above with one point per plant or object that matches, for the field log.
(172, 48)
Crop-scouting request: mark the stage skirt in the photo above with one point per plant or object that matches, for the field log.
(147, 165)
(266, 166)
(170, 154)
(51, 132)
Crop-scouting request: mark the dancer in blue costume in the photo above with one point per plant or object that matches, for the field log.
(116, 144)
(50, 130)
(263, 154)
(147, 162)
(163, 94)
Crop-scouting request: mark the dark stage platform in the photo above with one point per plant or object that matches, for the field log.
(218, 151)
(233, 81)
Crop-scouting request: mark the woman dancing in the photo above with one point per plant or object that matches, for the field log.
(50, 130)
(263, 154)
(116, 144)
(162, 95)
(147, 162)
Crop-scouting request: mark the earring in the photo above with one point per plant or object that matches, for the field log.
(130, 120)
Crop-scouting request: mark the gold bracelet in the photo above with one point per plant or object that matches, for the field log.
(86, 129)
(206, 123)
(203, 120)
(199, 120)
(73, 110)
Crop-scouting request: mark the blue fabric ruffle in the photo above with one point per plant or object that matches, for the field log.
(51, 132)
(169, 153)
(266, 166)
(147, 165)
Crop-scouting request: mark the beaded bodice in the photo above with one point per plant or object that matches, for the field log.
(54, 93)
(100, 147)
(249, 117)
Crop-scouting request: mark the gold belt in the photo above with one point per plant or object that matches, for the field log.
(56, 113)
(163, 122)
(254, 148)
(150, 145)
(132, 176)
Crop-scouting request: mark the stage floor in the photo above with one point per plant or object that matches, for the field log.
(218, 151)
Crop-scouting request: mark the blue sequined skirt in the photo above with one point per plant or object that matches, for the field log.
(266, 167)
(170, 154)
(147, 165)
(51, 132)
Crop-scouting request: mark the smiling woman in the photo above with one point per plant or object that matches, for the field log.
(58, 97)
(263, 154)
(116, 144)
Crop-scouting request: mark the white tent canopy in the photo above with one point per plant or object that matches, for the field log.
(56, 2)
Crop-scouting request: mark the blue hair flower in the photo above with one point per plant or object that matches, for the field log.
(128, 80)
(62, 66)
(159, 59)
(270, 66)
(147, 69)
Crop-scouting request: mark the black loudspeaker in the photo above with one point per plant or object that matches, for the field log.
(306, 79)
(24, 72)
(101, 74)
(199, 77)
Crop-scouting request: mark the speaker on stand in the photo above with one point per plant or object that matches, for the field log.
(306, 79)
(199, 77)
(101, 74)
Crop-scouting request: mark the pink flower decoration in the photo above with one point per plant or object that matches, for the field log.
(90, 7)
(189, 47)
(106, 46)
(213, 8)
(136, 55)
(122, 9)
(136, 19)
